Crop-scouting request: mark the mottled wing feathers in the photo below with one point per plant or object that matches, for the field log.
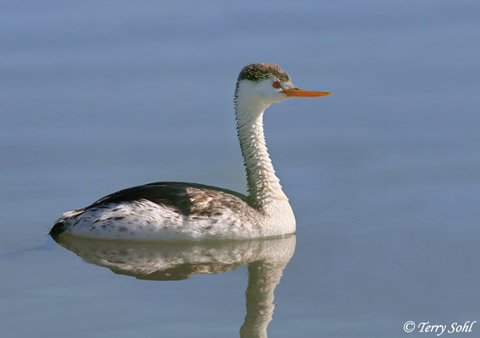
(187, 198)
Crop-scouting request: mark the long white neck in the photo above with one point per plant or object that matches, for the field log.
(263, 185)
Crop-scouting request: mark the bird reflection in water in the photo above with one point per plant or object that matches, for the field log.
(163, 261)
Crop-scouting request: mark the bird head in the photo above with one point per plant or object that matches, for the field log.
(264, 84)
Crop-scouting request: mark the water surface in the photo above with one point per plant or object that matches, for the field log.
(383, 175)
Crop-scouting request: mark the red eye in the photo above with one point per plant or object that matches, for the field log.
(276, 84)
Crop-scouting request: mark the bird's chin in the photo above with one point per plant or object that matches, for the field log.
(281, 98)
(276, 99)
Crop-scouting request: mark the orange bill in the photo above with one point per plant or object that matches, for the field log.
(295, 92)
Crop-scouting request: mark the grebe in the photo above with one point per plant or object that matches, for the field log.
(189, 211)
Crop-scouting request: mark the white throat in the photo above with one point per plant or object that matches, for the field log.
(263, 185)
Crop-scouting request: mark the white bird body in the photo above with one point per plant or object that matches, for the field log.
(188, 211)
(207, 219)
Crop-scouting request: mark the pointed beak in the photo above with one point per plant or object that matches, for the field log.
(295, 92)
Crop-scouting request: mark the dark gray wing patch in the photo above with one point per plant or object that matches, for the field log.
(173, 194)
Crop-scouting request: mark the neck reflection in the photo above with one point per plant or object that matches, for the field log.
(162, 261)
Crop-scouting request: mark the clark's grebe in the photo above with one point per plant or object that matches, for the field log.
(189, 211)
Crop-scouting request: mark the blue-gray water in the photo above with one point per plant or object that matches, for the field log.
(384, 176)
